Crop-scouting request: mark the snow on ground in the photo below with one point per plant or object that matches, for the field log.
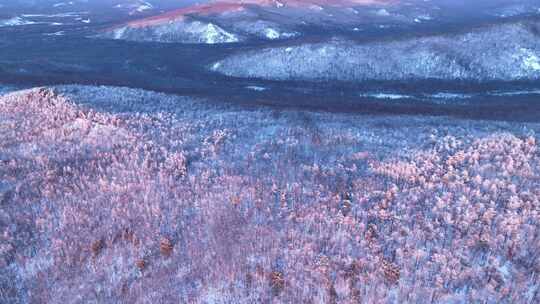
(119, 32)
(135, 7)
(115, 194)
(62, 4)
(212, 34)
(264, 29)
(448, 95)
(387, 96)
(512, 10)
(477, 55)
(41, 19)
(256, 88)
(530, 59)
(59, 33)
(144, 6)
(15, 21)
(59, 15)
(515, 93)
(177, 31)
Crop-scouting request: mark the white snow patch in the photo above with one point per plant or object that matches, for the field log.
(60, 4)
(60, 15)
(256, 88)
(383, 13)
(59, 33)
(216, 66)
(144, 7)
(446, 95)
(389, 96)
(515, 93)
(425, 17)
(272, 34)
(15, 21)
(323, 50)
(213, 34)
(422, 18)
(119, 32)
(530, 59)
(289, 35)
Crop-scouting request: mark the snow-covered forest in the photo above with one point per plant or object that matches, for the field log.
(113, 195)
(502, 52)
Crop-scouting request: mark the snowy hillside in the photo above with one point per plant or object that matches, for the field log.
(499, 52)
(282, 20)
(270, 151)
(15, 21)
(184, 31)
(267, 20)
(113, 195)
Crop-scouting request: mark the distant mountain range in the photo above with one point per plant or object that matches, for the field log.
(226, 21)
(501, 52)
(122, 8)
(313, 40)
(236, 21)
(345, 40)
